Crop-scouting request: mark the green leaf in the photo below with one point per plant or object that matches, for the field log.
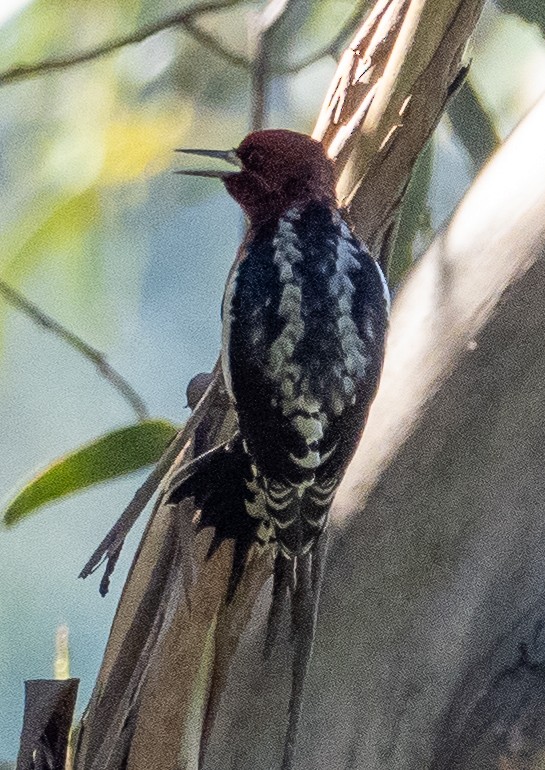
(473, 125)
(414, 216)
(108, 457)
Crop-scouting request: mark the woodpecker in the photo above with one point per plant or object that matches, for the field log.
(304, 315)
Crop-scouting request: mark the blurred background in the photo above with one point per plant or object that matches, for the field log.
(98, 232)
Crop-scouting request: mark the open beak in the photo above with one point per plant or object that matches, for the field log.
(229, 156)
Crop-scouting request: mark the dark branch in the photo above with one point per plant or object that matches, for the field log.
(265, 26)
(213, 44)
(188, 20)
(179, 19)
(40, 318)
(334, 47)
(110, 547)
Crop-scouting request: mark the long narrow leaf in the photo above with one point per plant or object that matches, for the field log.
(413, 216)
(108, 457)
(473, 125)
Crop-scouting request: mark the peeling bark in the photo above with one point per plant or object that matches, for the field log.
(430, 649)
(170, 654)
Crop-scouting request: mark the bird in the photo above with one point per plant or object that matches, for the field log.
(304, 322)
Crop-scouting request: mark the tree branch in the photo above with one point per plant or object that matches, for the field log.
(180, 19)
(110, 547)
(386, 99)
(17, 300)
(214, 44)
(186, 633)
(333, 47)
(188, 20)
(265, 25)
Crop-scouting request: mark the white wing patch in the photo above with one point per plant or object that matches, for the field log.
(226, 331)
(286, 255)
(297, 396)
(385, 289)
(354, 354)
(296, 399)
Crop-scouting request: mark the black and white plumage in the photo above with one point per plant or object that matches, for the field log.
(304, 322)
(305, 314)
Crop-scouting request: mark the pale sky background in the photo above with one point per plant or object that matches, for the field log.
(9, 8)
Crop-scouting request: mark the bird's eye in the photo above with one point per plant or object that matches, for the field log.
(253, 159)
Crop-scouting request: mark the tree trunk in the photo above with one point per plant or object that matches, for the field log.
(431, 634)
(170, 654)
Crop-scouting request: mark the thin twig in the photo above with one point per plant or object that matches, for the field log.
(214, 44)
(332, 48)
(110, 547)
(181, 18)
(17, 300)
(188, 20)
(264, 27)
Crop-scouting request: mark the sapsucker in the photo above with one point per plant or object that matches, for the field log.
(304, 320)
(305, 314)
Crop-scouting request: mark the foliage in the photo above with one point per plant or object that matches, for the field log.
(116, 454)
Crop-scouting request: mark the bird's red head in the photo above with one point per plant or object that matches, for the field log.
(277, 169)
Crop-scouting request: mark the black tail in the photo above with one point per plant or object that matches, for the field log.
(217, 482)
(283, 586)
(305, 598)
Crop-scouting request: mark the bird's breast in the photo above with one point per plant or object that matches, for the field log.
(304, 318)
